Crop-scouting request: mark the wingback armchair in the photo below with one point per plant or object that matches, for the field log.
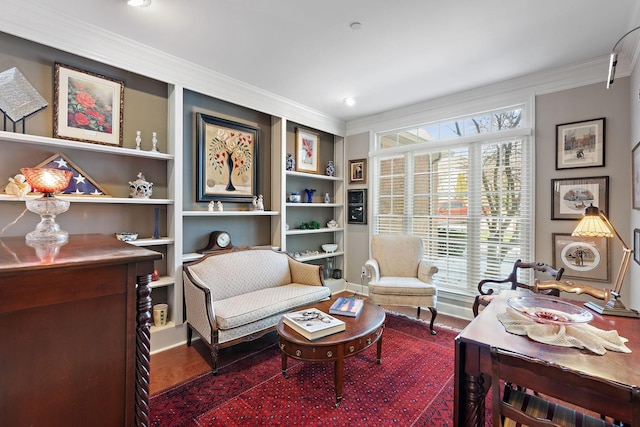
(399, 275)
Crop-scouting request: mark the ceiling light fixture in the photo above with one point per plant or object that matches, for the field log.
(613, 58)
(349, 101)
(139, 3)
(355, 26)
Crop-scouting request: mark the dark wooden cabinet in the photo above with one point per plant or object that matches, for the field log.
(74, 333)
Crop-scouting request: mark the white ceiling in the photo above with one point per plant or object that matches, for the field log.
(406, 52)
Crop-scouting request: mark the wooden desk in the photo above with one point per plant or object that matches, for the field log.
(74, 333)
(473, 364)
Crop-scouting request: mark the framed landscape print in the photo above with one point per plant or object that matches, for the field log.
(582, 257)
(227, 167)
(307, 151)
(580, 144)
(87, 107)
(635, 177)
(571, 196)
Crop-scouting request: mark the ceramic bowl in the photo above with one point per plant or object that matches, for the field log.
(127, 236)
(329, 247)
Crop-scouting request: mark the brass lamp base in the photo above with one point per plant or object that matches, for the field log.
(614, 307)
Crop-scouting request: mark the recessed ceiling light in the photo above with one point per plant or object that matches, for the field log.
(139, 3)
(355, 25)
(349, 101)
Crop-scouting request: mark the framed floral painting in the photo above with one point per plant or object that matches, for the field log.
(227, 167)
(307, 151)
(87, 107)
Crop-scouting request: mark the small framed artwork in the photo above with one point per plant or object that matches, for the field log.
(571, 196)
(227, 167)
(307, 151)
(582, 257)
(357, 206)
(636, 245)
(580, 144)
(87, 107)
(635, 179)
(358, 171)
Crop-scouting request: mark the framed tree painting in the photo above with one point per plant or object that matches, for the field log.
(87, 107)
(227, 166)
(307, 151)
(582, 257)
(580, 144)
(570, 197)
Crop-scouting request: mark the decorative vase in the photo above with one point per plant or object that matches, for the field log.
(309, 193)
(230, 186)
(156, 231)
(140, 188)
(327, 199)
(328, 268)
(331, 169)
(291, 162)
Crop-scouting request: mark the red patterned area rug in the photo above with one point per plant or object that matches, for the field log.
(412, 387)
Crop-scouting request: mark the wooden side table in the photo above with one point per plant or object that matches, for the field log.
(74, 328)
(361, 333)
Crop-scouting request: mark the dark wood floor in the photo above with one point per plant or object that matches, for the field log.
(178, 364)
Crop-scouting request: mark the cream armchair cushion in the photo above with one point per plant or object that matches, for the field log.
(399, 275)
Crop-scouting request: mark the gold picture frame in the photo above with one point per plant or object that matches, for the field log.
(358, 171)
(307, 151)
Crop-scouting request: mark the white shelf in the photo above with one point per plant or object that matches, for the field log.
(162, 282)
(169, 325)
(95, 199)
(321, 255)
(63, 143)
(313, 176)
(152, 242)
(230, 213)
(318, 230)
(314, 205)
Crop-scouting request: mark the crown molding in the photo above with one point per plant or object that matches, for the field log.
(54, 29)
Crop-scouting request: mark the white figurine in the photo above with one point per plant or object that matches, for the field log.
(18, 186)
(154, 142)
(255, 203)
(138, 139)
(220, 208)
(260, 203)
(211, 204)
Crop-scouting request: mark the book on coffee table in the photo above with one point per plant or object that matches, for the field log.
(313, 323)
(347, 307)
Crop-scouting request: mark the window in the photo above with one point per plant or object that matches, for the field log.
(467, 194)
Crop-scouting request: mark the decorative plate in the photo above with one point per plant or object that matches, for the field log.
(543, 309)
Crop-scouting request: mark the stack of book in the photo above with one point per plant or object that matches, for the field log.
(313, 323)
(347, 306)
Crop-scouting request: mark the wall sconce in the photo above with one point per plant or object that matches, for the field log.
(596, 224)
(47, 181)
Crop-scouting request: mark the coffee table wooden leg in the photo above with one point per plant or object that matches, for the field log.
(284, 365)
(339, 372)
(379, 352)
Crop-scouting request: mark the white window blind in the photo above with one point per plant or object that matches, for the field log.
(471, 203)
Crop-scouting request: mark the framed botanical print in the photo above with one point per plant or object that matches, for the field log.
(635, 177)
(582, 257)
(307, 151)
(87, 107)
(570, 197)
(227, 166)
(580, 144)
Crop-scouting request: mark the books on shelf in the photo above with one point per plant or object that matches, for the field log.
(347, 306)
(313, 323)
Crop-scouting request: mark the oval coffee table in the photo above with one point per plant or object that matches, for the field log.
(361, 333)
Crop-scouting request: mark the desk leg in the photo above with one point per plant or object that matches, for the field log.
(379, 352)
(284, 363)
(474, 407)
(143, 348)
(339, 372)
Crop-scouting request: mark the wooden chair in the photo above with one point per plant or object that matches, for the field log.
(519, 406)
(486, 294)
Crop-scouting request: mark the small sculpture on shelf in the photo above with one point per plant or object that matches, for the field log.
(138, 139)
(220, 207)
(327, 199)
(332, 224)
(212, 205)
(140, 188)
(18, 186)
(258, 203)
(154, 141)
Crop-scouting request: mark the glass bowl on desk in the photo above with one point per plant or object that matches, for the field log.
(543, 309)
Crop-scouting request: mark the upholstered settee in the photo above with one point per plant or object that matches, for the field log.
(240, 296)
